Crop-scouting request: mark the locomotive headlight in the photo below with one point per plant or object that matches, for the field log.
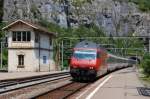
(74, 66)
(91, 67)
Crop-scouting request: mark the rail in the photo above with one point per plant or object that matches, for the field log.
(10, 85)
(63, 92)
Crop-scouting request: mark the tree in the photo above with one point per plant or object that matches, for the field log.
(1, 10)
(144, 5)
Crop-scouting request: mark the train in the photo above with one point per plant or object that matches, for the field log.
(90, 60)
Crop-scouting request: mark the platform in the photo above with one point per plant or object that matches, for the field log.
(122, 84)
(17, 75)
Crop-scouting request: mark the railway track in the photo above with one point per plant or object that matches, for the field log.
(67, 90)
(10, 85)
(62, 92)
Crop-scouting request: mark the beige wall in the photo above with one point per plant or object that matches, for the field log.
(30, 60)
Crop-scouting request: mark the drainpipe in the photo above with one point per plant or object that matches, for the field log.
(39, 53)
(50, 57)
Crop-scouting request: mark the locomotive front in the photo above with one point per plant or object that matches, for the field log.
(83, 65)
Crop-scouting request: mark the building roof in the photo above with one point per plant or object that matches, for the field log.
(33, 25)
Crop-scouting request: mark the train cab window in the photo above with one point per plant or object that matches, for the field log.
(85, 54)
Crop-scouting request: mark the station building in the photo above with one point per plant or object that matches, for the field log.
(30, 47)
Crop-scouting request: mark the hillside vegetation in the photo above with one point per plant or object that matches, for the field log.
(146, 64)
(144, 5)
(71, 36)
(1, 10)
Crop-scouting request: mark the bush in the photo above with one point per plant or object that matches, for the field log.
(5, 57)
(1, 10)
(145, 64)
(144, 5)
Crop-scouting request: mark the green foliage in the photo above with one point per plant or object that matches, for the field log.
(1, 32)
(1, 9)
(5, 52)
(144, 5)
(145, 64)
(83, 32)
(5, 57)
(79, 32)
(35, 11)
(80, 2)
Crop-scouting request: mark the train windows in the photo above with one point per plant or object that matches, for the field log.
(111, 60)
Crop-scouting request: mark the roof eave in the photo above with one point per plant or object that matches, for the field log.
(46, 32)
(8, 26)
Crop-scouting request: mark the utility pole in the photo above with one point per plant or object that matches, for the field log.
(62, 54)
(1, 54)
(149, 42)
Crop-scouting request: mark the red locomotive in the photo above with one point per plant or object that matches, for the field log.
(90, 60)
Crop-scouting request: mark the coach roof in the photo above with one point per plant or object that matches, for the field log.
(86, 44)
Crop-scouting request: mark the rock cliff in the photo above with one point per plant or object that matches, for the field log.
(116, 17)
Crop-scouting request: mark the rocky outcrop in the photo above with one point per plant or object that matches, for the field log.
(34, 10)
(117, 18)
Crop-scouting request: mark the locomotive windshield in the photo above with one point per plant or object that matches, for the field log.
(85, 54)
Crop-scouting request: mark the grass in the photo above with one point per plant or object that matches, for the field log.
(145, 81)
(4, 68)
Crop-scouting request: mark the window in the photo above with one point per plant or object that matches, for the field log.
(21, 35)
(44, 59)
(20, 60)
(28, 36)
(14, 36)
(24, 37)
